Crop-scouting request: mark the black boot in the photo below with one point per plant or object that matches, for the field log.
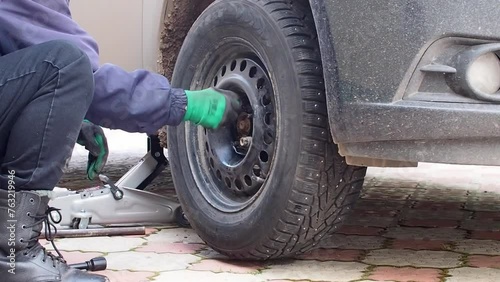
(22, 258)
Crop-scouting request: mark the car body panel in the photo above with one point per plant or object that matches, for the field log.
(377, 41)
(370, 50)
(376, 45)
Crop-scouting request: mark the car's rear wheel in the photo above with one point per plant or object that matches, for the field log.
(272, 184)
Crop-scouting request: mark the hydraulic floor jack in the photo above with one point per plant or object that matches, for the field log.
(120, 208)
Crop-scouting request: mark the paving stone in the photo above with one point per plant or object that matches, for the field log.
(175, 235)
(283, 280)
(484, 261)
(478, 196)
(367, 204)
(468, 274)
(359, 230)
(98, 244)
(395, 257)
(450, 183)
(418, 245)
(383, 196)
(430, 223)
(352, 242)
(394, 182)
(478, 247)
(483, 202)
(141, 261)
(371, 221)
(176, 248)
(438, 206)
(151, 230)
(332, 254)
(487, 225)
(480, 215)
(435, 214)
(376, 213)
(377, 281)
(405, 274)
(485, 235)
(205, 276)
(483, 206)
(419, 233)
(386, 193)
(440, 194)
(127, 276)
(379, 188)
(77, 257)
(315, 271)
(242, 267)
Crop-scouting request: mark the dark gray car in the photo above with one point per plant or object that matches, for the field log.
(329, 88)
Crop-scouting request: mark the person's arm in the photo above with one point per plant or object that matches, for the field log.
(139, 101)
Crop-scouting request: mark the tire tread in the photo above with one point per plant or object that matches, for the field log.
(325, 187)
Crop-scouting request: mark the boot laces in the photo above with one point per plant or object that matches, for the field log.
(48, 221)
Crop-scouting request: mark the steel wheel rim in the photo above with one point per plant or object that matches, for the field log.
(230, 174)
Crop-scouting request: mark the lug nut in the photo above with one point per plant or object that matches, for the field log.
(245, 141)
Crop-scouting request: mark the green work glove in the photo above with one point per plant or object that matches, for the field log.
(212, 107)
(93, 139)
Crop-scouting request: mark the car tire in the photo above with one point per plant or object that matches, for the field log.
(302, 189)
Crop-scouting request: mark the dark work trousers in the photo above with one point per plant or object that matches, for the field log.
(45, 92)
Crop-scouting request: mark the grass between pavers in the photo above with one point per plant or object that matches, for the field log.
(464, 259)
(198, 252)
(362, 256)
(366, 273)
(156, 274)
(388, 242)
(445, 273)
(449, 247)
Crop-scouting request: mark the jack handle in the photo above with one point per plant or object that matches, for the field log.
(95, 264)
(117, 193)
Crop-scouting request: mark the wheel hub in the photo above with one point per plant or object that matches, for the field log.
(239, 155)
(244, 124)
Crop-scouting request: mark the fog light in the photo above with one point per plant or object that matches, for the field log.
(484, 73)
(477, 72)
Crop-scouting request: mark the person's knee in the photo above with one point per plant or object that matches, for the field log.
(75, 63)
(64, 49)
(63, 53)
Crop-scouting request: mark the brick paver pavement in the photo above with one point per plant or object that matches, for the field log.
(435, 223)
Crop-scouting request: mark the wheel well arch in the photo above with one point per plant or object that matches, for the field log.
(178, 17)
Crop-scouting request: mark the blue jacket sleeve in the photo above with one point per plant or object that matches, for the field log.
(139, 101)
